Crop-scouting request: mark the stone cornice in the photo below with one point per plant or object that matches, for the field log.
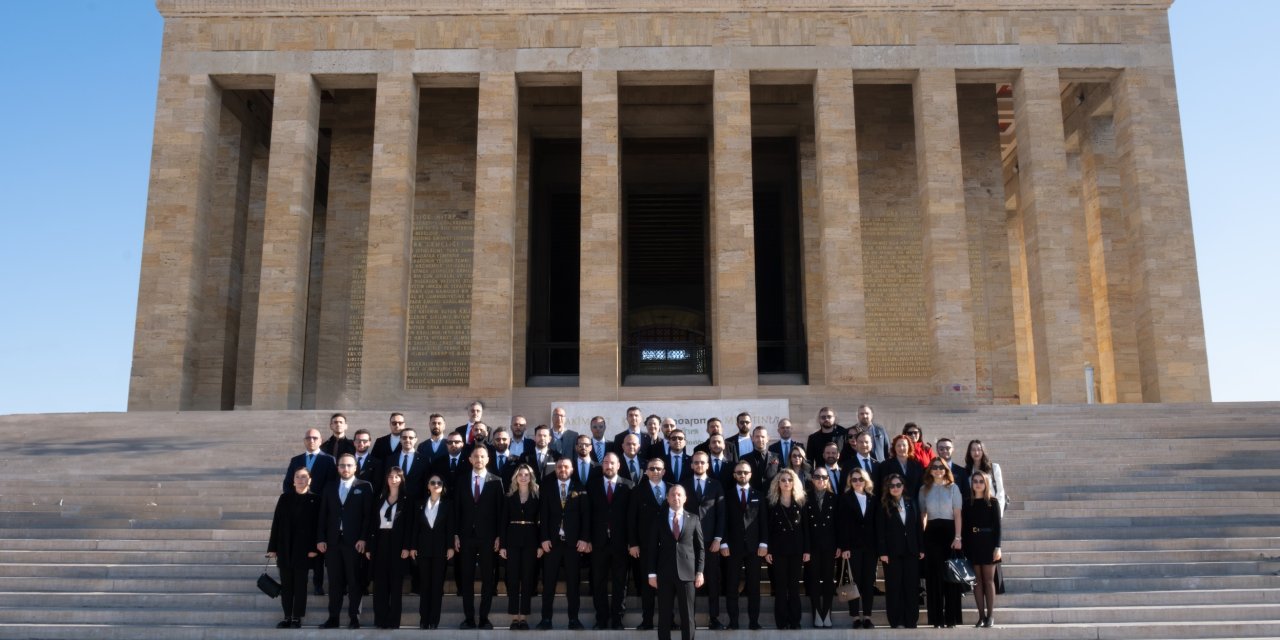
(266, 8)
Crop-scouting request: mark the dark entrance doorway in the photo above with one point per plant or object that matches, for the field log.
(664, 186)
(554, 255)
(782, 355)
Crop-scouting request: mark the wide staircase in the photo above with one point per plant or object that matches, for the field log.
(1155, 521)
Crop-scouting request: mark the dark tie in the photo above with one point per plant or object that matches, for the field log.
(786, 450)
(453, 464)
(715, 466)
(608, 492)
(835, 477)
(582, 471)
(404, 463)
(359, 464)
(502, 461)
(743, 503)
(675, 467)
(311, 458)
(475, 493)
(657, 493)
(698, 489)
(675, 525)
(635, 473)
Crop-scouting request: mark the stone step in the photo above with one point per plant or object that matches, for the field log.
(1092, 513)
(1140, 570)
(1111, 584)
(1155, 544)
(83, 544)
(128, 533)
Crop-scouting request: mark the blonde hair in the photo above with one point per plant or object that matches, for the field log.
(986, 488)
(797, 491)
(867, 485)
(515, 486)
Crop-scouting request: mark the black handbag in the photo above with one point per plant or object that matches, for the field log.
(267, 584)
(959, 571)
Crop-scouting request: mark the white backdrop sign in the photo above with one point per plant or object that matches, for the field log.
(690, 415)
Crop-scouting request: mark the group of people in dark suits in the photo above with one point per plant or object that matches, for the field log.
(641, 505)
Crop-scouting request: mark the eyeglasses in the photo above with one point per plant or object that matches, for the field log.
(741, 473)
(654, 469)
(937, 468)
(312, 438)
(455, 442)
(816, 477)
(895, 485)
(785, 480)
(857, 480)
(397, 422)
(680, 438)
(434, 483)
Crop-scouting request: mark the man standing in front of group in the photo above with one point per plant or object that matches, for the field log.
(565, 535)
(477, 501)
(346, 520)
(609, 495)
(676, 559)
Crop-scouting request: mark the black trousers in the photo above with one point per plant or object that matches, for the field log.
(863, 565)
(713, 582)
(943, 597)
(317, 565)
(609, 581)
(388, 580)
(522, 571)
(819, 579)
(475, 559)
(430, 588)
(902, 591)
(742, 564)
(563, 555)
(647, 593)
(784, 577)
(343, 564)
(672, 594)
(293, 591)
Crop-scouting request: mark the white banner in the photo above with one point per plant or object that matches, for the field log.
(690, 415)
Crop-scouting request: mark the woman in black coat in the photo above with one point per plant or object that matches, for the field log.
(387, 547)
(788, 546)
(900, 545)
(981, 516)
(820, 507)
(904, 463)
(432, 546)
(293, 545)
(520, 545)
(856, 531)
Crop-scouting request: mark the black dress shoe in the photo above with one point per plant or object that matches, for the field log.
(319, 590)
(544, 625)
(715, 625)
(868, 624)
(287, 622)
(467, 624)
(354, 624)
(485, 624)
(296, 623)
(575, 624)
(755, 626)
(645, 626)
(733, 626)
(616, 624)
(600, 625)
(331, 623)
(987, 622)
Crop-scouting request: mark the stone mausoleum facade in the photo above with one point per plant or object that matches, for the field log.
(403, 203)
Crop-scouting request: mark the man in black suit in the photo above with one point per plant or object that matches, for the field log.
(367, 468)
(584, 467)
(452, 465)
(945, 448)
(829, 459)
(648, 501)
(706, 500)
(542, 458)
(720, 466)
(782, 448)
(346, 521)
(862, 455)
(501, 460)
(714, 428)
(477, 501)
(631, 463)
(745, 543)
(565, 524)
(415, 465)
(323, 472)
(661, 446)
(676, 558)
(390, 443)
(436, 445)
(600, 446)
(740, 443)
(609, 496)
(320, 464)
(338, 443)
(634, 427)
(679, 469)
(475, 411)
(828, 431)
(764, 464)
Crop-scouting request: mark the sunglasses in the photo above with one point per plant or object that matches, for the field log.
(857, 480)
(435, 483)
(896, 485)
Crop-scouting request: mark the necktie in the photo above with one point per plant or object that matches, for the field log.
(786, 450)
(599, 452)
(471, 437)
(539, 460)
(675, 467)
(311, 458)
(502, 460)
(715, 466)
(342, 492)
(657, 493)
(743, 500)
(866, 466)
(835, 476)
(698, 488)
(404, 463)
(453, 464)
(359, 464)
(635, 473)
(583, 470)
(608, 492)
(475, 492)
(675, 525)
(564, 494)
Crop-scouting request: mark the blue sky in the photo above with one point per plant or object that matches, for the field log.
(80, 93)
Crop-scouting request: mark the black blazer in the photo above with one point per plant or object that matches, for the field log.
(398, 537)
(415, 482)
(674, 559)
(912, 478)
(440, 467)
(432, 452)
(731, 446)
(746, 526)
(686, 468)
(855, 529)
(788, 529)
(710, 509)
(506, 470)
(577, 477)
(336, 446)
(608, 518)
(894, 537)
(645, 440)
(730, 455)
(432, 541)
(478, 522)
(764, 466)
(817, 440)
(776, 448)
(548, 466)
(355, 515)
(382, 447)
(822, 522)
(609, 447)
(324, 470)
(854, 463)
(516, 530)
(726, 471)
(961, 476)
(574, 516)
(371, 471)
(293, 529)
(624, 468)
(642, 512)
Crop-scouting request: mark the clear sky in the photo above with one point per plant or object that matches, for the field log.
(80, 79)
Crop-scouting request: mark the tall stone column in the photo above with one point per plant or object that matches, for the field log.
(493, 271)
(1153, 182)
(390, 237)
(1049, 232)
(286, 243)
(175, 243)
(601, 272)
(940, 180)
(733, 251)
(842, 294)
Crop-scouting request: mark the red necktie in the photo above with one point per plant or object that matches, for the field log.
(476, 491)
(675, 525)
